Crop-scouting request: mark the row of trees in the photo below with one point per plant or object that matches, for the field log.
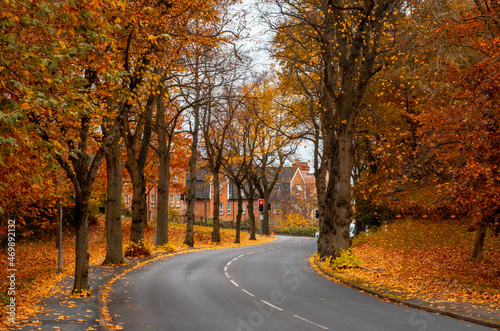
(93, 87)
(400, 99)
(81, 78)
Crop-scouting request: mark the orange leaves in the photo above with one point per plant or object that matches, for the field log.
(427, 260)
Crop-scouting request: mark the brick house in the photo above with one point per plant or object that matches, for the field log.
(227, 195)
(294, 193)
(290, 196)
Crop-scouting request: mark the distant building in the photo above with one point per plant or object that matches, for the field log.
(294, 193)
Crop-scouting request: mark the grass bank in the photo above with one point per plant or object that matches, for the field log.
(427, 260)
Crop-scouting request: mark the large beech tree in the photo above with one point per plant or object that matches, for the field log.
(349, 38)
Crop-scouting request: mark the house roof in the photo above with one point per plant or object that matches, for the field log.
(202, 186)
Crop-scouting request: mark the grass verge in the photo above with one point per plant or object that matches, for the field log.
(426, 260)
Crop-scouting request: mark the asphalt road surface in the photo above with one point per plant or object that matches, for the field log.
(265, 287)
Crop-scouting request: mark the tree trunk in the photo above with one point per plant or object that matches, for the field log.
(327, 203)
(216, 230)
(135, 164)
(81, 212)
(320, 176)
(251, 212)
(137, 227)
(343, 210)
(191, 196)
(164, 180)
(114, 250)
(238, 215)
(162, 199)
(4, 224)
(477, 252)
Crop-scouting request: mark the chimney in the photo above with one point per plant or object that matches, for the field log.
(304, 166)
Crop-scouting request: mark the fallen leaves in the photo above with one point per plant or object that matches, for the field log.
(37, 275)
(429, 261)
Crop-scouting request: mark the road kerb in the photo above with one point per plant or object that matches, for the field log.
(471, 319)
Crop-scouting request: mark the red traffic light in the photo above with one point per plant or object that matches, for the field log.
(261, 204)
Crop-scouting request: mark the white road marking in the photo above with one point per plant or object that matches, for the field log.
(250, 294)
(308, 321)
(263, 301)
(271, 305)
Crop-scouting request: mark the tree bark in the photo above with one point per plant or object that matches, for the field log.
(114, 249)
(216, 217)
(164, 178)
(163, 198)
(343, 209)
(477, 252)
(238, 214)
(138, 194)
(81, 212)
(135, 164)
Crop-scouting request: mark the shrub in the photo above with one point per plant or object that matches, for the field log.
(166, 248)
(295, 221)
(346, 260)
(140, 249)
(294, 231)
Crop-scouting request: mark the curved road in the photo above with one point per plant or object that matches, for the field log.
(265, 287)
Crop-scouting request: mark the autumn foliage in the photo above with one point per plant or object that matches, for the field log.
(427, 260)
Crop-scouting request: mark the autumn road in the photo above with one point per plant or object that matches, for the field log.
(266, 287)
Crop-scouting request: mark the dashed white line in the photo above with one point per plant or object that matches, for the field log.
(271, 305)
(250, 294)
(263, 301)
(308, 321)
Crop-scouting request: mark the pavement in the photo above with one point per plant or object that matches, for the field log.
(61, 312)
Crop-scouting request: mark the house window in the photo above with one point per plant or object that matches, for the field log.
(175, 179)
(230, 190)
(220, 188)
(278, 187)
(299, 189)
(153, 200)
(221, 208)
(127, 199)
(243, 208)
(172, 200)
(229, 208)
